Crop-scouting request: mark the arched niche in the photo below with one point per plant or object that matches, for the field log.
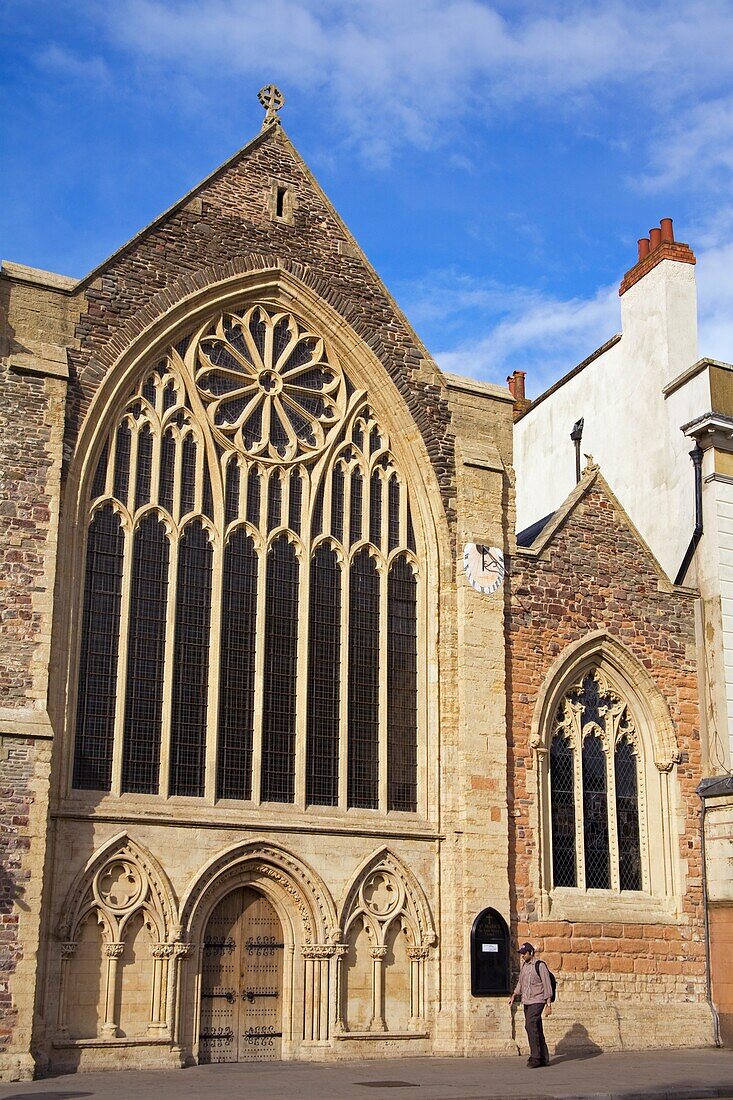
(490, 962)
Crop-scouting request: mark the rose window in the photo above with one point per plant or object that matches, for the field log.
(271, 388)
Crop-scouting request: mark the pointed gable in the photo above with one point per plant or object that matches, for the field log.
(262, 210)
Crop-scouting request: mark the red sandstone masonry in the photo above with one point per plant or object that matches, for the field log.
(593, 575)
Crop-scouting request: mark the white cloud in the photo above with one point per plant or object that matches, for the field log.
(695, 148)
(508, 328)
(395, 71)
(63, 63)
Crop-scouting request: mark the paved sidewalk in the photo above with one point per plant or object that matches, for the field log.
(659, 1075)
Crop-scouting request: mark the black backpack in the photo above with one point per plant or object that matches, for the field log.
(553, 979)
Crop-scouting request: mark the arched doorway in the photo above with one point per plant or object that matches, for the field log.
(242, 981)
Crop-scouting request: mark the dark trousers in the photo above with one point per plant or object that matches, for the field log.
(538, 1051)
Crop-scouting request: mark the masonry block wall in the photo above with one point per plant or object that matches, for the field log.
(35, 325)
(595, 574)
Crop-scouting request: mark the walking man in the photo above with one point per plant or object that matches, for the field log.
(535, 990)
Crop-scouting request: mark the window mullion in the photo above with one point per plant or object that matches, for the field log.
(132, 476)
(178, 474)
(301, 687)
(155, 465)
(348, 539)
(579, 811)
(122, 660)
(167, 709)
(383, 757)
(259, 673)
(344, 688)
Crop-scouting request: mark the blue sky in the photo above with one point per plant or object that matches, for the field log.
(496, 161)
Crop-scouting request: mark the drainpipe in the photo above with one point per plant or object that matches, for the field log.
(576, 435)
(706, 911)
(696, 456)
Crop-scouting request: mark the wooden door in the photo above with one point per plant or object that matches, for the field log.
(241, 981)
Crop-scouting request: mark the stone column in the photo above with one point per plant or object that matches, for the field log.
(181, 952)
(377, 1021)
(162, 953)
(317, 985)
(417, 957)
(340, 950)
(68, 951)
(112, 951)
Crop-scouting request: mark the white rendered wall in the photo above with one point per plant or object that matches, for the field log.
(630, 429)
(723, 492)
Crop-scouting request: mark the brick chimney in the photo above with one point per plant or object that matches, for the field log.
(659, 245)
(515, 382)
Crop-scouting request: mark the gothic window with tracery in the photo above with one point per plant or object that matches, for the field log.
(595, 784)
(251, 583)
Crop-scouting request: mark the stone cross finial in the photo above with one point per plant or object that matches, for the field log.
(272, 100)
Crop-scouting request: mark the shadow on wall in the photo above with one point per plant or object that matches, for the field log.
(576, 1043)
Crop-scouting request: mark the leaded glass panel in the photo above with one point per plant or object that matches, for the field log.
(237, 668)
(627, 816)
(363, 682)
(562, 795)
(191, 663)
(402, 686)
(145, 657)
(281, 661)
(97, 691)
(595, 815)
(324, 679)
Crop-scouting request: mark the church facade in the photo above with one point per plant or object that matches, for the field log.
(296, 741)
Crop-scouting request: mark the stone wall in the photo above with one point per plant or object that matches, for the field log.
(36, 323)
(227, 227)
(594, 574)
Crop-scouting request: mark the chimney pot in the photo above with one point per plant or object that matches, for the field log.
(667, 230)
(643, 244)
(655, 238)
(515, 382)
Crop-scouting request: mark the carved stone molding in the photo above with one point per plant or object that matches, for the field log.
(113, 950)
(318, 951)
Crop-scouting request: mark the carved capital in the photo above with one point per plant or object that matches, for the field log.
(182, 950)
(378, 952)
(318, 950)
(668, 764)
(68, 950)
(162, 950)
(416, 953)
(113, 950)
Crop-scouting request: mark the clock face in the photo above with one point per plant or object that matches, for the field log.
(484, 567)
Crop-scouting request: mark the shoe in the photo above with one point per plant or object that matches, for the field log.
(534, 1064)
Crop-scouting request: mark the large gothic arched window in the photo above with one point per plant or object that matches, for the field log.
(595, 776)
(251, 598)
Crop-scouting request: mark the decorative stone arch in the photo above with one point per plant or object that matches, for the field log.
(654, 743)
(387, 897)
(631, 679)
(307, 913)
(121, 881)
(106, 384)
